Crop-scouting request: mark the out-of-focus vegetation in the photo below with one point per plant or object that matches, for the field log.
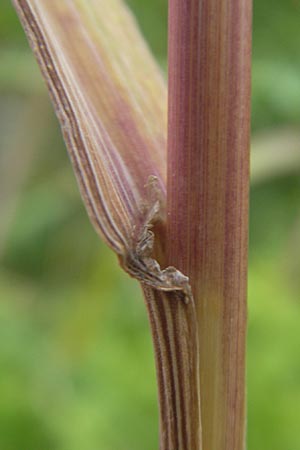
(76, 362)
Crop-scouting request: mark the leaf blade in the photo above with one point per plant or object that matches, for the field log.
(114, 130)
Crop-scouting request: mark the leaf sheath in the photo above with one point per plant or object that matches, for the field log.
(175, 338)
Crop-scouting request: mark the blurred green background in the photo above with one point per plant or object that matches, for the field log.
(76, 361)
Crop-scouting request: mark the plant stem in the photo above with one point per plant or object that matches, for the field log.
(207, 195)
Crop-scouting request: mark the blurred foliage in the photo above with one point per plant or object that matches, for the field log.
(76, 361)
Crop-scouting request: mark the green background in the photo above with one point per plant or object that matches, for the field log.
(76, 361)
